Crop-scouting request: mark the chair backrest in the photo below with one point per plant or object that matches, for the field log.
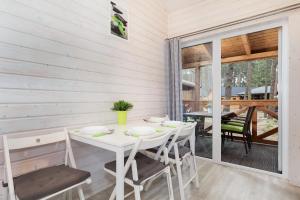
(16, 143)
(143, 143)
(34, 141)
(154, 141)
(182, 135)
(248, 119)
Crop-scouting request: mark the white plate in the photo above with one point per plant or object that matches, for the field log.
(92, 130)
(172, 123)
(141, 131)
(155, 119)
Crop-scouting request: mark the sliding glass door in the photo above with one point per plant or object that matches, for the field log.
(197, 94)
(231, 87)
(250, 100)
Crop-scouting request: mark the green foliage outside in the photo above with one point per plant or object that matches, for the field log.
(261, 73)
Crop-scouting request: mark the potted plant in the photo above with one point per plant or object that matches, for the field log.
(121, 107)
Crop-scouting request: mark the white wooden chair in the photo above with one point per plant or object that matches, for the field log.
(177, 153)
(46, 182)
(140, 168)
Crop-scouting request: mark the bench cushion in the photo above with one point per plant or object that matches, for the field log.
(146, 167)
(232, 128)
(47, 181)
(236, 123)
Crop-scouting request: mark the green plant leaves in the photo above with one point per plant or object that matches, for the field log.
(122, 106)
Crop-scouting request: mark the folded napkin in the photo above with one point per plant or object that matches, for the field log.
(95, 131)
(160, 130)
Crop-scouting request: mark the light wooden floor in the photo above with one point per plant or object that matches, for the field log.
(222, 183)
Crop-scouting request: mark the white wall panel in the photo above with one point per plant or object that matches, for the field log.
(204, 14)
(60, 66)
(294, 95)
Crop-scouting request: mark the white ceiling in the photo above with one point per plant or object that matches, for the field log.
(173, 5)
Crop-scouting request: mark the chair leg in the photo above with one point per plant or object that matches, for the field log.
(245, 143)
(113, 194)
(249, 140)
(180, 181)
(173, 169)
(179, 173)
(9, 195)
(80, 194)
(170, 186)
(149, 183)
(196, 171)
(223, 138)
(137, 192)
(190, 164)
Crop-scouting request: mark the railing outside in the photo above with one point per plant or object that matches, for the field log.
(268, 107)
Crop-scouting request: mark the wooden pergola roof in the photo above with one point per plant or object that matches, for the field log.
(252, 46)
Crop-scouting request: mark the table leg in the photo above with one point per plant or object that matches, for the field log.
(192, 143)
(120, 174)
(200, 125)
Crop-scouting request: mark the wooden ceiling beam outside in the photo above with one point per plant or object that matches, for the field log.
(255, 56)
(246, 44)
(207, 51)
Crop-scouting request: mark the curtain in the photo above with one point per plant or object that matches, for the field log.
(175, 109)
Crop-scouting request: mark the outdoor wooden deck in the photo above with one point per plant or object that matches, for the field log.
(267, 107)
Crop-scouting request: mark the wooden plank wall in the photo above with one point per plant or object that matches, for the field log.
(59, 66)
(293, 104)
(198, 14)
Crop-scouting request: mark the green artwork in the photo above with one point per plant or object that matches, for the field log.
(119, 23)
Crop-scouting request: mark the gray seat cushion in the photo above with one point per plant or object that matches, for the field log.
(183, 150)
(47, 181)
(146, 167)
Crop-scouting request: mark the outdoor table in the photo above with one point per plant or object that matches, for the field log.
(199, 117)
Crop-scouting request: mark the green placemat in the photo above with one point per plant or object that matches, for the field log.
(159, 130)
(99, 134)
(171, 126)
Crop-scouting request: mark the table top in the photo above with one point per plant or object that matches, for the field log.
(118, 139)
(204, 114)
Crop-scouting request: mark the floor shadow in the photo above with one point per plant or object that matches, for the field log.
(264, 157)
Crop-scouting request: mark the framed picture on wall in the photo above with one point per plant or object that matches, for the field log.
(119, 20)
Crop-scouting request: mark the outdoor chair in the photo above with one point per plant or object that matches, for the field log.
(140, 168)
(239, 126)
(47, 182)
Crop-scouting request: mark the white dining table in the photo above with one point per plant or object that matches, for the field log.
(119, 143)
